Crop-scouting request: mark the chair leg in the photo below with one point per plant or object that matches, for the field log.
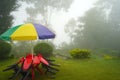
(33, 74)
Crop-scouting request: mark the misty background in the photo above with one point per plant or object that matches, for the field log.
(90, 24)
(56, 18)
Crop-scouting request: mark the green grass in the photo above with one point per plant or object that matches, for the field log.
(89, 69)
(3, 65)
(92, 69)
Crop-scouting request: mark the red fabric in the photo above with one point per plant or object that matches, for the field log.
(32, 59)
(42, 59)
(36, 60)
(27, 62)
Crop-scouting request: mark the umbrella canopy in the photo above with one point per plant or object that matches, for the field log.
(28, 31)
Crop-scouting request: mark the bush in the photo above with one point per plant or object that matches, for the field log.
(80, 53)
(107, 57)
(5, 49)
(43, 48)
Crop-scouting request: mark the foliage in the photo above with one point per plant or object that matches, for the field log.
(6, 7)
(106, 52)
(43, 48)
(80, 53)
(107, 57)
(5, 49)
(21, 48)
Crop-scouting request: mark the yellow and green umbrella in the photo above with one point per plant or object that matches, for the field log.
(28, 31)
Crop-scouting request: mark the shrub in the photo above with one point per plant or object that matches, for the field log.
(80, 53)
(43, 48)
(5, 49)
(107, 57)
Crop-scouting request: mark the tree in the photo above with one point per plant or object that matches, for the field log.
(44, 9)
(43, 48)
(5, 49)
(6, 7)
(70, 28)
(96, 31)
(100, 25)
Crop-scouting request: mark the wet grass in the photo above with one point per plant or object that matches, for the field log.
(88, 69)
(3, 65)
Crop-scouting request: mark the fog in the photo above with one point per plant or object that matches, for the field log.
(90, 24)
(57, 19)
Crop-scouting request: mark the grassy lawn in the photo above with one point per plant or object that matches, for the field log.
(90, 69)
(3, 65)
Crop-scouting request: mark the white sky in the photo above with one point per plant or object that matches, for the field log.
(58, 19)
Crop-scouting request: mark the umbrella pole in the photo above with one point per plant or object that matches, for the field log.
(31, 49)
